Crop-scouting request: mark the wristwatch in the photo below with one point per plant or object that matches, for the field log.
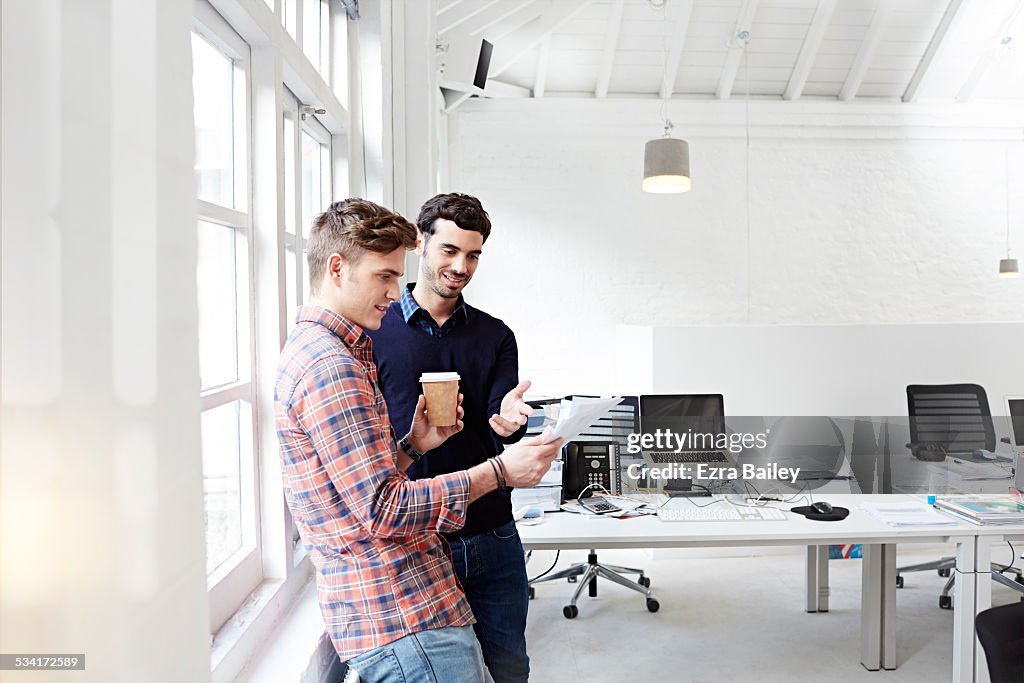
(406, 445)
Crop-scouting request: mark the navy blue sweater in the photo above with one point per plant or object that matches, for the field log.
(483, 351)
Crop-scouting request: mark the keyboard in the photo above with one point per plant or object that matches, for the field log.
(666, 457)
(721, 513)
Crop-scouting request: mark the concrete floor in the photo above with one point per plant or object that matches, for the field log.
(734, 618)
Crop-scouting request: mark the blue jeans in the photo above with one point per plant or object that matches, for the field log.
(492, 571)
(440, 655)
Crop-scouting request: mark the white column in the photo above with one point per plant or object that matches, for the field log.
(101, 498)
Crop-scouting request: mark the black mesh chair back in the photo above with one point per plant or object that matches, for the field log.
(953, 416)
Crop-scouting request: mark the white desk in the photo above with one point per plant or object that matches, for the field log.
(564, 530)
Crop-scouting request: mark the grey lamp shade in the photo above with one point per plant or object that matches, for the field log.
(666, 166)
(1008, 268)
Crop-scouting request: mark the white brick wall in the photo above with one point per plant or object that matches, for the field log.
(849, 223)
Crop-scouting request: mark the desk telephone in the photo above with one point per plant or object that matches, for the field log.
(590, 463)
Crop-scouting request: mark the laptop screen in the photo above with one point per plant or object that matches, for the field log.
(683, 413)
(1016, 411)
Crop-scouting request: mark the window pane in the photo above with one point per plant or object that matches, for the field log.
(311, 31)
(325, 41)
(339, 61)
(218, 306)
(291, 295)
(303, 265)
(221, 432)
(290, 12)
(289, 174)
(312, 202)
(213, 111)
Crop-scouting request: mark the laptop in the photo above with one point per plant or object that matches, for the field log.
(697, 423)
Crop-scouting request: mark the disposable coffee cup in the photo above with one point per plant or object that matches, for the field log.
(441, 390)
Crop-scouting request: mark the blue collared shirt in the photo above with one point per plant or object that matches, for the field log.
(419, 316)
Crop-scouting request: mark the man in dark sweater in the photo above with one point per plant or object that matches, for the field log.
(433, 329)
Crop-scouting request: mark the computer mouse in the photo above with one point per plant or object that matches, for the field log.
(982, 454)
(821, 508)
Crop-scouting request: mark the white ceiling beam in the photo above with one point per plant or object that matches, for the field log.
(540, 80)
(736, 49)
(611, 42)
(499, 33)
(865, 54)
(809, 51)
(988, 57)
(450, 6)
(467, 16)
(516, 8)
(675, 53)
(511, 48)
(949, 19)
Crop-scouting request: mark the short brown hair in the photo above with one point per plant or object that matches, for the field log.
(464, 210)
(351, 228)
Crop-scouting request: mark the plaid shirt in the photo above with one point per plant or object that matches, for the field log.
(420, 317)
(382, 569)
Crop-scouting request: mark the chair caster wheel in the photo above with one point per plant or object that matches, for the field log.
(899, 582)
(946, 601)
(944, 573)
(533, 593)
(652, 605)
(570, 611)
(644, 581)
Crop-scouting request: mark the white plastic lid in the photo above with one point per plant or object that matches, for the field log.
(439, 376)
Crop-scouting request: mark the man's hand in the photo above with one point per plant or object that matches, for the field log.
(528, 461)
(514, 411)
(423, 436)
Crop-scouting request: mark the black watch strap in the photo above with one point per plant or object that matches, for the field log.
(406, 445)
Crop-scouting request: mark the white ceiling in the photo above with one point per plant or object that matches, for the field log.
(847, 50)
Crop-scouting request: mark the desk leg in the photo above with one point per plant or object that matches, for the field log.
(878, 607)
(816, 587)
(964, 596)
(982, 598)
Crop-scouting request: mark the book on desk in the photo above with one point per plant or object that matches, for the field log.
(983, 509)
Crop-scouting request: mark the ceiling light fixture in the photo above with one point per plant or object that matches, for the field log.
(666, 159)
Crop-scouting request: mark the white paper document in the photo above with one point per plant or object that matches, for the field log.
(576, 415)
(907, 514)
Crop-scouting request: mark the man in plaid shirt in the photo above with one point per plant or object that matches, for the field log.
(387, 589)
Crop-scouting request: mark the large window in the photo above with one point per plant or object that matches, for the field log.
(257, 195)
(220, 84)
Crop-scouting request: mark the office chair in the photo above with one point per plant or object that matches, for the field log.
(1001, 632)
(949, 418)
(616, 425)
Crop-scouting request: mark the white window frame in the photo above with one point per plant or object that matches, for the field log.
(232, 582)
(278, 67)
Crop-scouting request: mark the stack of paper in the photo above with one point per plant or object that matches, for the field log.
(907, 514)
(983, 509)
(576, 415)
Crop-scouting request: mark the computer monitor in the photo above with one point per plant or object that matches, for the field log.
(679, 413)
(1015, 411)
(814, 444)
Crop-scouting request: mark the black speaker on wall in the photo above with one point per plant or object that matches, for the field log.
(483, 64)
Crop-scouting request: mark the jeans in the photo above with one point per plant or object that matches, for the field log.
(441, 655)
(492, 571)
